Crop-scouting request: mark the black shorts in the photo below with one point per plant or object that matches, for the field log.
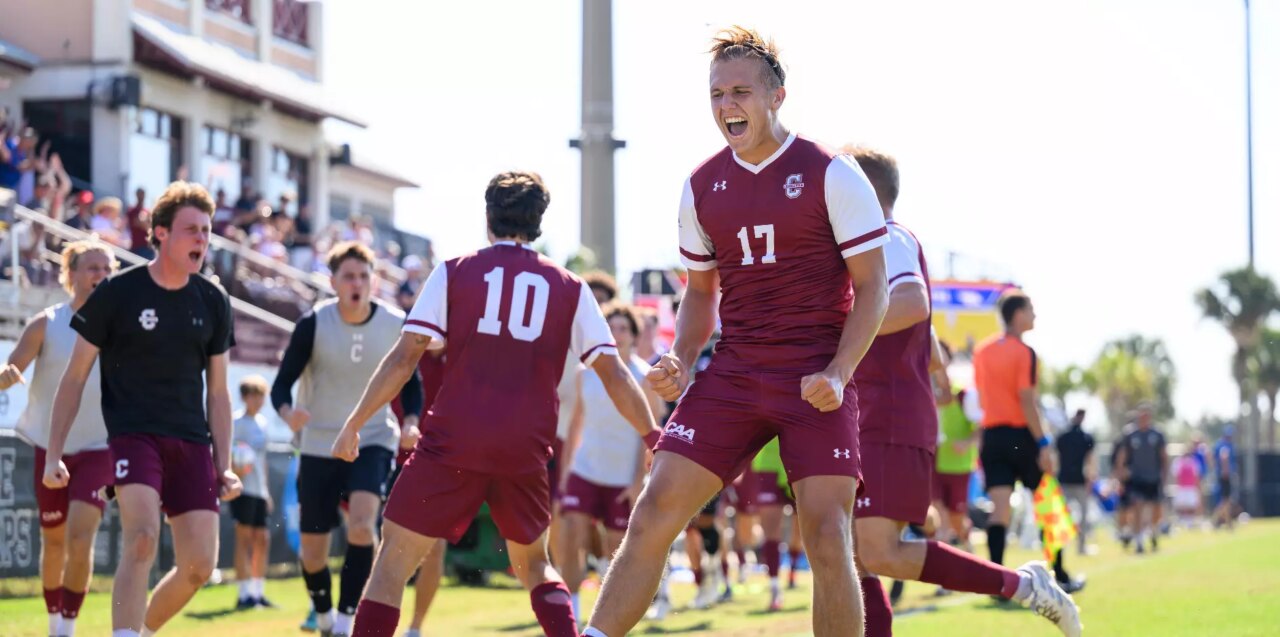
(1010, 455)
(250, 510)
(1224, 488)
(1138, 491)
(325, 483)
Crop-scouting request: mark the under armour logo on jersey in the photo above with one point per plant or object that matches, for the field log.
(719, 185)
(678, 431)
(148, 319)
(864, 503)
(793, 185)
(839, 452)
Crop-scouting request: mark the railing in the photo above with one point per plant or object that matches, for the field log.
(67, 233)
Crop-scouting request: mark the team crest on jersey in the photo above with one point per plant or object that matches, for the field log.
(148, 319)
(677, 430)
(793, 185)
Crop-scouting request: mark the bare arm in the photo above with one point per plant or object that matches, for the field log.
(66, 402)
(696, 319)
(625, 393)
(908, 305)
(219, 410)
(866, 269)
(24, 352)
(1030, 399)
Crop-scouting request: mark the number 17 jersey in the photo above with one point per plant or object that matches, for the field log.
(507, 318)
(778, 232)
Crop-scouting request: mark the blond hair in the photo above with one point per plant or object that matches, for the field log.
(738, 42)
(71, 254)
(254, 385)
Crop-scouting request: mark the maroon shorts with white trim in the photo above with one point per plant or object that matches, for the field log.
(896, 483)
(90, 475)
(181, 471)
(436, 500)
(726, 417)
(596, 501)
(952, 490)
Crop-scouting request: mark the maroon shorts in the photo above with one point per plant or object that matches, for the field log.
(90, 475)
(181, 471)
(745, 494)
(726, 417)
(768, 491)
(554, 470)
(597, 501)
(896, 483)
(952, 490)
(433, 499)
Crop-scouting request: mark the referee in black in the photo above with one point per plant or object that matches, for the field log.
(161, 331)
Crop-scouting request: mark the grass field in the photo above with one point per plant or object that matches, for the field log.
(1199, 584)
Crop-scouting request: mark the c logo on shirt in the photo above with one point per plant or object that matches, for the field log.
(122, 468)
(793, 185)
(357, 348)
(148, 319)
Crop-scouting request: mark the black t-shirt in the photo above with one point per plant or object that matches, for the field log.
(1074, 447)
(154, 347)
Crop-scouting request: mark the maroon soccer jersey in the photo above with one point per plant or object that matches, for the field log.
(507, 317)
(895, 394)
(778, 233)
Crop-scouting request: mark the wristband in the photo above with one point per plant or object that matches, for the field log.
(1044, 441)
(651, 438)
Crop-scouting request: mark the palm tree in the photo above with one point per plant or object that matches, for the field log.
(1123, 381)
(1059, 382)
(1153, 353)
(1266, 372)
(1242, 300)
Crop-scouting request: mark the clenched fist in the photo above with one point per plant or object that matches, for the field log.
(824, 390)
(668, 378)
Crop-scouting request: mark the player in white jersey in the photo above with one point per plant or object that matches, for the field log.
(68, 517)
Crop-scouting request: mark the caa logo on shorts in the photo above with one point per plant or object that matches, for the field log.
(148, 319)
(51, 516)
(678, 431)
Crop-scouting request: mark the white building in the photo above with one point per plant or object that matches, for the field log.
(136, 93)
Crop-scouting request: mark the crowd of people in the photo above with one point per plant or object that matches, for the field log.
(823, 426)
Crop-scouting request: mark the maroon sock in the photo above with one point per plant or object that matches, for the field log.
(554, 612)
(53, 600)
(71, 603)
(742, 558)
(375, 619)
(697, 576)
(794, 556)
(772, 556)
(875, 603)
(724, 566)
(956, 570)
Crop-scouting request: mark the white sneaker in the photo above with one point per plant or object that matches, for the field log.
(659, 610)
(707, 596)
(1049, 601)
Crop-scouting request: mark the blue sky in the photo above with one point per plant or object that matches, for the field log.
(1093, 151)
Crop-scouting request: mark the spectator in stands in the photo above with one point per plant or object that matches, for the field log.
(301, 253)
(106, 222)
(223, 213)
(286, 202)
(270, 246)
(139, 222)
(649, 347)
(602, 285)
(415, 274)
(17, 159)
(358, 229)
(80, 220)
(248, 201)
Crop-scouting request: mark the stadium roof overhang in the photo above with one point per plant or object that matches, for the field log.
(18, 58)
(224, 69)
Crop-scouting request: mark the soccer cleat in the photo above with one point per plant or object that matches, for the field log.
(659, 610)
(1049, 601)
(309, 624)
(246, 603)
(263, 602)
(706, 598)
(726, 595)
(775, 602)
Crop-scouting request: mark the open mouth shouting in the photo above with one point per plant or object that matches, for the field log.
(195, 257)
(736, 126)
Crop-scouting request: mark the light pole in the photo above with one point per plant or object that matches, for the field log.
(1248, 119)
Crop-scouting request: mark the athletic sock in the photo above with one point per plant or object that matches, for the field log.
(375, 619)
(147, 632)
(55, 623)
(319, 588)
(878, 612)
(246, 589)
(956, 570)
(995, 542)
(772, 557)
(53, 601)
(1060, 571)
(71, 603)
(259, 587)
(793, 556)
(67, 628)
(355, 574)
(342, 623)
(325, 620)
(742, 558)
(551, 605)
(697, 576)
(724, 566)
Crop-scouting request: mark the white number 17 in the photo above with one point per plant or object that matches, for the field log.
(765, 232)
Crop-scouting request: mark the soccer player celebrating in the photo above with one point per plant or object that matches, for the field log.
(68, 517)
(604, 459)
(787, 233)
(898, 428)
(506, 317)
(340, 340)
(162, 331)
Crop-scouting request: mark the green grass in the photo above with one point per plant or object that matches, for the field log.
(1199, 584)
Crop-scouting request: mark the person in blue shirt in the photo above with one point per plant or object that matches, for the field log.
(1224, 462)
